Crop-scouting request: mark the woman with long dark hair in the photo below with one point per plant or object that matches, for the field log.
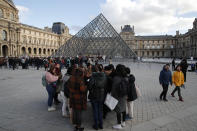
(119, 91)
(51, 79)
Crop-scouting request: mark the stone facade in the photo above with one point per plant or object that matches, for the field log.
(162, 46)
(17, 39)
(186, 44)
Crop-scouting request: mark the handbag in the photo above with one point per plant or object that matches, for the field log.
(110, 102)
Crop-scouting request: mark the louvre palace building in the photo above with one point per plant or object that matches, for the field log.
(17, 39)
(162, 46)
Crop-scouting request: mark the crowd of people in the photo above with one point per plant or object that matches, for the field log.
(85, 81)
(43, 62)
(88, 80)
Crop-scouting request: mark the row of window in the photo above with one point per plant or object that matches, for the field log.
(39, 41)
(155, 46)
(39, 34)
(40, 51)
(152, 53)
(11, 15)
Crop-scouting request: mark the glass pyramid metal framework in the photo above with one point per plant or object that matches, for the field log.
(98, 38)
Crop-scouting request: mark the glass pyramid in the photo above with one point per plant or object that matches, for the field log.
(98, 38)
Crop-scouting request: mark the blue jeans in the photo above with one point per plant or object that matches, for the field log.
(97, 107)
(51, 92)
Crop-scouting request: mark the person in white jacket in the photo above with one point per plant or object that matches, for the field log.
(65, 94)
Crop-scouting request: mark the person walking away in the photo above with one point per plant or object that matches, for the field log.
(165, 78)
(96, 87)
(78, 97)
(119, 92)
(131, 96)
(173, 64)
(65, 93)
(51, 79)
(178, 81)
(184, 67)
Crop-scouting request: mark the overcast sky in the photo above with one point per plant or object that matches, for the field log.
(150, 17)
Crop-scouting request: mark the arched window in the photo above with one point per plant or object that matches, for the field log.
(44, 51)
(1, 13)
(40, 50)
(11, 16)
(4, 35)
(35, 51)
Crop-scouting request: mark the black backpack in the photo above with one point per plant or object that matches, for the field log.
(66, 89)
(123, 87)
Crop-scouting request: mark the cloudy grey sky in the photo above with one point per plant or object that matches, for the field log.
(150, 17)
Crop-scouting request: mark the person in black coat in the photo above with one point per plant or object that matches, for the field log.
(165, 78)
(131, 96)
(96, 87)
(184, 67)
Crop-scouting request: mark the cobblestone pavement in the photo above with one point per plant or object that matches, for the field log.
(23, 104)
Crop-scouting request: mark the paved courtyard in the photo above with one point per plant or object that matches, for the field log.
(23, 104)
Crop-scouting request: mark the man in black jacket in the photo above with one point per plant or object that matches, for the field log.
(184, 67)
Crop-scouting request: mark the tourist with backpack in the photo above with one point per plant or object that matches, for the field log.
(131, 95)
(64, 93)
(119, 92)
(51, 79)
(96, 87)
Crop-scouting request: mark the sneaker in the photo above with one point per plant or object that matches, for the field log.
(172, 95)
(123, 124)
(65, 115)
(165, 100)
(181, 99)
(51, 109)
(117, 126)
